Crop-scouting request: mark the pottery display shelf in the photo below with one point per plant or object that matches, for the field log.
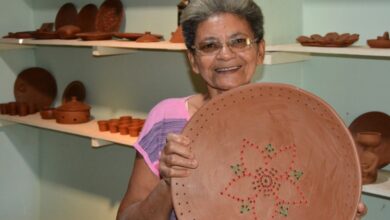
(89, 129)
(117, 47)
(382, 185)
(348, 51)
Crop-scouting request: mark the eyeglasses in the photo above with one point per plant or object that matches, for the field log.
(210, 48)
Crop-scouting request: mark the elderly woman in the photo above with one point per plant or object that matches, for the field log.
(225, 44)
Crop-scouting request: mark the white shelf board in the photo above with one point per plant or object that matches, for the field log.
(351, 51)
(89, 129)
(382, 185)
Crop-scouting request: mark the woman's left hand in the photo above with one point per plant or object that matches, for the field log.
(361, 211)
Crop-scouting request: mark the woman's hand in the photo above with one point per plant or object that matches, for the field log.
(361, 211)
(176, 158)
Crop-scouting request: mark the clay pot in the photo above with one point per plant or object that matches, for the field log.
(103, 125)
(147, 37)
(134, 130)
(68, 32)
(12, 108)
(73, 112)
(113, 127)
(125, 118)
(48, 113)
(22, 108)
(3, 108)
(123, 129)
(177, 36)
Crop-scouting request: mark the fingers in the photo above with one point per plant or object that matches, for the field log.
(176, 159)
(361, 210)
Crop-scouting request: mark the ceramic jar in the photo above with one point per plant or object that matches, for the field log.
(73, 112)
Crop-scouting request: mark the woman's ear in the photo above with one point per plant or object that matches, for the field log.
(191, 58)
(261, 52)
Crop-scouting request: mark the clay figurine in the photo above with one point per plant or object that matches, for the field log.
(368, 159)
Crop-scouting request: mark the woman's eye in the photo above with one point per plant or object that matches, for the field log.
(208, 46)
(238, 43)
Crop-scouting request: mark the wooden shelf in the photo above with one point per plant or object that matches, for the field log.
(89, 129)
(381, 187)
(350, 51)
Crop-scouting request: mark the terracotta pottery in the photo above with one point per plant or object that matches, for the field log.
(12, 108)
(36, 87)
(73, 112)
(113, 126)
(128, 36)
(86, 18)
(123, 129)
(95, 36)
(48, 113)
(331, 39)
(376, 122)
(380, 42)
(22, 108)
(289, 156)
(74, 89)
(177, 36)
(369, 160)
(20, 35)
(148, 37)
(110, 16)
(68, 32)
(103, 125)
(66, 15)
(3, 109)
(44, 35)
(134, 130)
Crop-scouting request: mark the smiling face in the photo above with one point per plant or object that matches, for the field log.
(226, 69)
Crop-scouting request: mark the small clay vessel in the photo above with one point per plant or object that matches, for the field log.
(47, 113)
(134, 130)
(103, 125)
(123, 129)
(113, 127)
(89, 36)
(22, 108)
(13, 108)
(73, 112)
(177, 36)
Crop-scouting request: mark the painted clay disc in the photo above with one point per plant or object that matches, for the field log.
(269, 151)
(87, 17)
(110, 16)
(66, 15)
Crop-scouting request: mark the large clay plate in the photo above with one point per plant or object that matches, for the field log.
(379, 122)
(86, 18)
(269, 151)
(110, 16)
(66, 15)
(37, 87)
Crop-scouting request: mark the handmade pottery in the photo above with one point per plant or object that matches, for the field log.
(40, 35)
(331, 39)
(103, 125)
(110, 16)
(94, 36)
(148, 37)
(86, 18)
(12, 108)
(177, 36)
(380, 42)
(128, 36)
(36, 87)
(74, 89)
(48, 113)
(287, 157)
(22, 108)
(20, 35)
(66, 15)
(369, 160)
(68, 32)
(73, 112)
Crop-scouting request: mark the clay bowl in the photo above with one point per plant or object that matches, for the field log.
(95, 36)
(375, 43)
(369, 138)
(48, 113)
(73, 112)
(68, 32)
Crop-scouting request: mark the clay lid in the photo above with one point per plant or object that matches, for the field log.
(177, 36)
(109, 16)
(74, 89)
(374, 122)
(86, 18)
(148, 37)
(35, 86)
(66, 15)
(74, 106)
(269, 151)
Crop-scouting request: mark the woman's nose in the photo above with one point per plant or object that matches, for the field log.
(226, 52)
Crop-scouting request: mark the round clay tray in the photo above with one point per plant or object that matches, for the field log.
(109, 16)
(86, 18)
(378, 43)
(378, 122)
(74, 89)
(66, 15)
(269, 151)
(45, 35)
(94, 36)
(129, 36)
(37, 87)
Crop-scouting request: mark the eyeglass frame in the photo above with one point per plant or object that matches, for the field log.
(248, 40)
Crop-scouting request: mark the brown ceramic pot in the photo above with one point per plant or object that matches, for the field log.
(68, 32)
(148, 37)
(73, 112)
(103, 125)
(48, 113)
(22, 108)
(13, 108)
(177, 36)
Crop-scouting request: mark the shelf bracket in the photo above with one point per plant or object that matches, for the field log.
(4, 123)
(96, 143)
(285, 57)
(109, 51)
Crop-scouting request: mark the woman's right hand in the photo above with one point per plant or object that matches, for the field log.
(176, 159)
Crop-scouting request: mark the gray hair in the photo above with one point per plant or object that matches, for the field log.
(200, 10)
